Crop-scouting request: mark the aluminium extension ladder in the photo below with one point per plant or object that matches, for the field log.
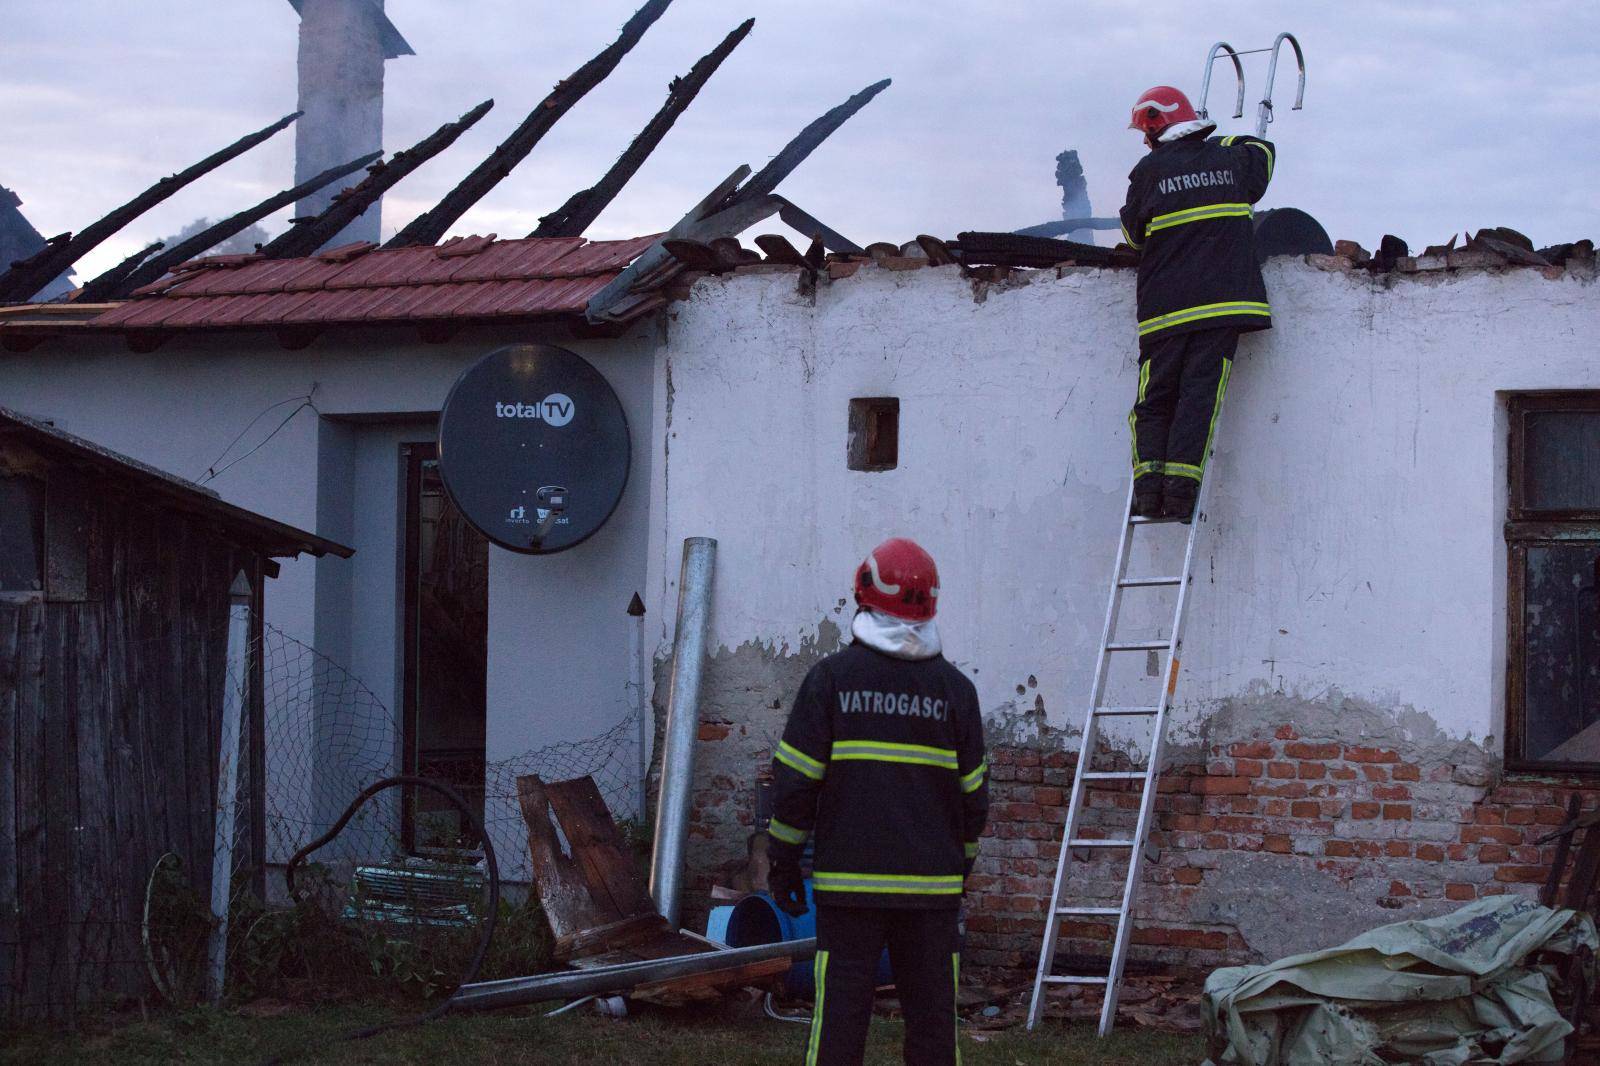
(1146, 778)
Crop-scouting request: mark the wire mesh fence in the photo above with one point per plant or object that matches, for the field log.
(396, 900)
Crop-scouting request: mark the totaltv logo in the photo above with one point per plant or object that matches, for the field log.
(555, 409)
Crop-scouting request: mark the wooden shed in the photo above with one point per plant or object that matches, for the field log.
(119, 584)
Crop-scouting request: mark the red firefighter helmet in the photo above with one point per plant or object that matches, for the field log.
(899, 578)
(1160, 107)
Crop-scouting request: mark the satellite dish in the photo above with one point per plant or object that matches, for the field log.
(533, 448)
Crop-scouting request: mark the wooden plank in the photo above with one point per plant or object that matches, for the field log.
(32, 959)
(66, 537)
(134, 855)
(1581, 883)
(94, 877)
(561, 887)
(708, 986)
(10, 623)
(605, 860)
(60, 797)
(815, 229)
(1558, 865)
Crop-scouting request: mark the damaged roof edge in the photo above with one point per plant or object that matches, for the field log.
(275, 539)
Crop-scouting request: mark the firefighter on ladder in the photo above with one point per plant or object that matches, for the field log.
(1189, 216)
(882, 762)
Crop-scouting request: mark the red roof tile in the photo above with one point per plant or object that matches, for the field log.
(464, 278)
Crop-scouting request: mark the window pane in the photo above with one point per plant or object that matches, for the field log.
(1563, 461)
(21, 534)
(1561, 633)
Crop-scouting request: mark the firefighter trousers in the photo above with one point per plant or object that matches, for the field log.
(1182, 381)
(925, 955)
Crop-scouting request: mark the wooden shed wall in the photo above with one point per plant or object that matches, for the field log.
(110, 692)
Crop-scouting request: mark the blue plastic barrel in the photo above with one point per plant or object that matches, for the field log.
(756, 919)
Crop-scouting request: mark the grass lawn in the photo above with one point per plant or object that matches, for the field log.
(690, 1036)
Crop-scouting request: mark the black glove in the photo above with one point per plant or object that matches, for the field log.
(966, 869)
(788, 887)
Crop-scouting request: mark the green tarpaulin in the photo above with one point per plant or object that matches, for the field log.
(1475, 986)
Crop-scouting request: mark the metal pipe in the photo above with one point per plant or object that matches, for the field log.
(235, 691)
(515, 991)
(683, 721)
(1205, 82)
(1264, 113)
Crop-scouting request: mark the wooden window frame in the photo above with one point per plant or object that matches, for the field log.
(1530, 527)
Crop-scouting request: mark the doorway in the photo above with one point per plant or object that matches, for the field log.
(446, 629)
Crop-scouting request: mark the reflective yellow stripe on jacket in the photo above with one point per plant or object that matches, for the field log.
(798, 761)
(1227, 142)
(788, 834)
(883, 751)
(1196, 214)
(897, 884)
(1195, 314)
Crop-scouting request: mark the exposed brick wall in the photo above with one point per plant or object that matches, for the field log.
(1396, 835)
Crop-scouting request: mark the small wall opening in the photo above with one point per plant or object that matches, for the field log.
(874, 433)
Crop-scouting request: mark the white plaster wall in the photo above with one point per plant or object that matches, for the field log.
(1354, 537)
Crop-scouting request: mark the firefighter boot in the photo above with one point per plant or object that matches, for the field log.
(1147, 497)
(1178, 499)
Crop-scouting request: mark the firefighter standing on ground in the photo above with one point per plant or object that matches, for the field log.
(1189, 216)
(883, 763)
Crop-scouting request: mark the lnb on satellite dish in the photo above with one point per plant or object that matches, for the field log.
(534, 448)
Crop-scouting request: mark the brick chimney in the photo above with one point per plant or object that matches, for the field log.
(343, 46)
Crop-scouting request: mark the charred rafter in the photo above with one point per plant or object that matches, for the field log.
(99, 290)
(429, 226)
(305, 237)
(579, 212)
(26, 278)
(107, 287)
(805, 142)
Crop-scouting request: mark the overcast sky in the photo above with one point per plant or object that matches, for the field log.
(1421, 118)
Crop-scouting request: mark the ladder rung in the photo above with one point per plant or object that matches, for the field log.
(1118, 712)
(1086, 911)
(1053, 979)
(1139, 645)
(1147, 582)
(1101, 844)
(1140, 520)
(1114, 775)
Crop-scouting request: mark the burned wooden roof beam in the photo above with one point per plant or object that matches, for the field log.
(106, 287)
(805, 142)
(432, 224)
(580, 211)
(26, 278)
(98, 290)
(304, 238)
(802, 222)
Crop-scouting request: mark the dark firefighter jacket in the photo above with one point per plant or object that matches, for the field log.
(883, 762)
(1189, 216)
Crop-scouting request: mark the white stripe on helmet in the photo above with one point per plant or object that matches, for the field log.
(877, 581)
(1158, 106)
